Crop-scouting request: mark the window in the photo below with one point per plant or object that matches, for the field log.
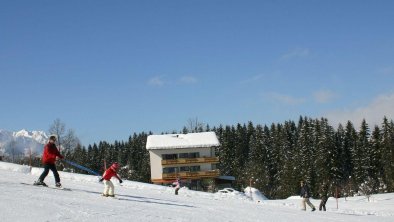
(184, 169)
(183, 155)
(170, 170)
(169, 156)
(194, 155)
(194, 168)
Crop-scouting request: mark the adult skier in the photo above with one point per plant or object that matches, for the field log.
(324, 195)
(109, 188)
(48, 159)
(305, 194)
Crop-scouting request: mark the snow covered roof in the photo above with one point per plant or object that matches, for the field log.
(182, 141)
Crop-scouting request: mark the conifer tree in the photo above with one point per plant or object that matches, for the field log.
(78, 155)
(227, 152)
(305, 143)
(331, 175)
(95, 158)
(387, 153)
(243, 135)
(351, 144)
(344, 157)
(287, 181)
(373, 155)
(274, 159)
(360, 154)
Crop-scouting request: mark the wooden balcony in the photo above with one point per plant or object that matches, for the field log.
(190, 160)
(191, 175)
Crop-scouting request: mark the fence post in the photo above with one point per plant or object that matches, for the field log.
(336, 195)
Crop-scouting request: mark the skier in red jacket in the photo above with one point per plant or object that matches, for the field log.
(177, 185)
(48, 160)
(108, 185)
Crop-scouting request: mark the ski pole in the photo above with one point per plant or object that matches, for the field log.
(81, 167)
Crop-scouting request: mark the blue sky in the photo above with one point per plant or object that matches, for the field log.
(108, 69)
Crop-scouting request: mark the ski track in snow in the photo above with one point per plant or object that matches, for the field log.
(145, 202)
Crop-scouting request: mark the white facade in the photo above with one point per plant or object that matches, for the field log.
(156, 158)
(177, 145)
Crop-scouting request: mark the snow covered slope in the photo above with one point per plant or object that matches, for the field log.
(146, 202)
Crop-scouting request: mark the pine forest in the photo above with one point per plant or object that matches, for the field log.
(342, 161)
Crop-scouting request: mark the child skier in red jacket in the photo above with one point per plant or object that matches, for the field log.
(108, 185)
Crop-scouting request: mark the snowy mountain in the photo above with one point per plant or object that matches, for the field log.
(147, 202)
(20, 143)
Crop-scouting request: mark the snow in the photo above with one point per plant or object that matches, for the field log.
(23, 142)
(255, 194)
(147, 202)
(39, 136)
(176, 141)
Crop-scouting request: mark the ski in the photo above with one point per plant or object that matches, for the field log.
(109, 197)
(50, 187)
(113, 198)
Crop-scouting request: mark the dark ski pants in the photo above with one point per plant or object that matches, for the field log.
(51, 167)
(176, 191)
(323, 203)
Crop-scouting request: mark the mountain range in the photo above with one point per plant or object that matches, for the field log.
(22, 143)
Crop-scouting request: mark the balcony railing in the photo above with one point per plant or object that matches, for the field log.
(191, 175)
(190, 160)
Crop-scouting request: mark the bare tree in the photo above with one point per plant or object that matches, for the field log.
(194, 126)
(57, 128)
(66, 139)
(11, 149)
(366, 188)
(70, 141)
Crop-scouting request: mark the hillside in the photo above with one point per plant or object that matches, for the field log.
(146, 202)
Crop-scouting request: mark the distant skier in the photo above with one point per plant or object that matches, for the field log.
(109, 188)
(323, 196)
(305, 194)
(48, 159)
(177, 185)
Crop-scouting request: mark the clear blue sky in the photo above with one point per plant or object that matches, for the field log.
(108, 69)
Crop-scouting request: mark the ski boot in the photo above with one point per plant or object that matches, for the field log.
(40, 183)
(58, 185)
(105, 195)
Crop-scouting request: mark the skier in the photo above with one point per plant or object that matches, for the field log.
(324, 196)
(177, 185)
(305, 194)
(108, 185)
(48, 160)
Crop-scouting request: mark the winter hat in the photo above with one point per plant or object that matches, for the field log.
(115, 166)
(52, 137)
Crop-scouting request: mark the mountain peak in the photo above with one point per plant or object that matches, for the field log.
(21, 141)
(22, 133)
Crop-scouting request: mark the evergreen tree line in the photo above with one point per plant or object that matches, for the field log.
(274, 158)
(131, 155)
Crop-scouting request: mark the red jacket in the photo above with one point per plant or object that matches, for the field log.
(50, 154)
(177, 184)
(109, 173)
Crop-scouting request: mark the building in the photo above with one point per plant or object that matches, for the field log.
(191, 157)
